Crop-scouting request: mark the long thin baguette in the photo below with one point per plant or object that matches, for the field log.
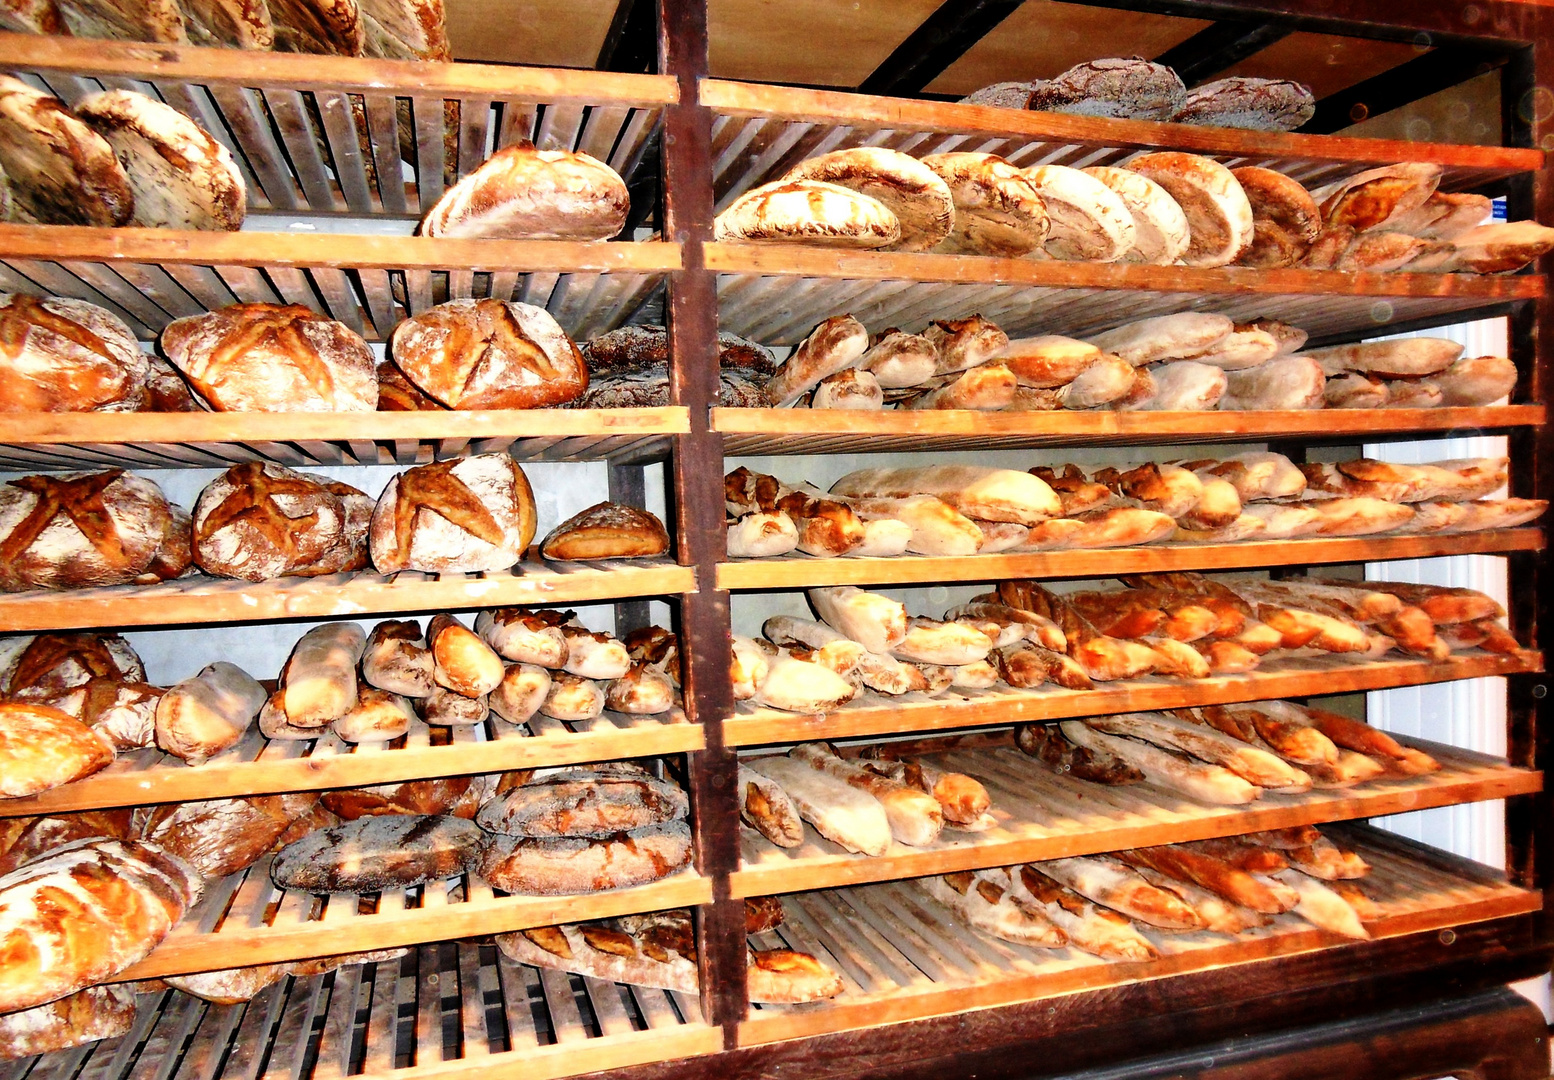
(1281, 725)
(962, 799)
(1210, 783)
(1093, 929)
(841, 813)
(1218, 914)
(914, 816)
(989, 906)
(1046, 743)
(1251, 764)
(1322, 907)
(975, 490)
(1216, 875)
(1326, 860)
(1108, 882)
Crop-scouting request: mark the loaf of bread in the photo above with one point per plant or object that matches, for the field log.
(1160, 229)
(318, 682)
(436, 796)
(1288, 382)
(572, 698)
(1165, 337)
(642, 691)
(124, 897)
(398, 394)
(258, 521)
(75, 530)
(527, 637)
(41, 748)
(1499, 247)
(1122, 86)
(909, 189)
(273, 358)
(607, 530)
(629, 368)
(66, 355)
(998, 210)
(60, 171)
(580, 802)
(560, 866)
(96, 678)
(1371, 199)
(376, 853)
(98, 1012)
(449, 708)
(39, 837)
(1244, 102)
(1087, 220)
(462, 661)
(228, 22)
(203, 716)
(489, 354)
(523, 689)
(229, 986)
(377, 717)
(808, 212)
(977, 491)
(521, 193)
(471, 515)
(1286, 219)
(181, 177)
(395, 658)
(1219, 217)
(217, 837)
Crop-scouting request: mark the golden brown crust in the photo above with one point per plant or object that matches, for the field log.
(607, 530)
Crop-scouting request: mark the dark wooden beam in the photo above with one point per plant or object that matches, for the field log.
(1223, 45)
(930, 49)
(1436, 70)
(631, 42)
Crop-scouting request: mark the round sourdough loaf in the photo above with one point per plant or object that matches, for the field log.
(66, 355)
(73, 530)
(1241, 102)
(41, 748)
(1219, 217)
(243, 24)
(583, 803)
(42, 836)
(905, 186)
(489, 354)
(258, 521)
(558, 866)
(1089, 222)
(166, 389)
(321, 27)
(1286, 219)
(607, 531)
(231, 986)
(521, 193)
(218, 837)
(809, 212)
(1160, 232)
(273, 358)
(467, 516)
(998, 211)
(1129, 87)
(376, 853)
(61, 172)
(98, 1012)
(182, 178)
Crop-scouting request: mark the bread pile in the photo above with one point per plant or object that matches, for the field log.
(629, 368)
(956, 510)
(1188, 362)
(1118, 906)
(1133, 88)
(659, 950)
(1225, 754)
(1024, 635)
(117, 158)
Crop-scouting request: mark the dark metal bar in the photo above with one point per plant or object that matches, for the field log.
(631, 42)
(1437, 70)
(940, 41)
(1223, 45)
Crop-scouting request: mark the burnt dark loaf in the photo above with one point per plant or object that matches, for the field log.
(381, 852)
(629, 368)
(559, 866)
(583, 803)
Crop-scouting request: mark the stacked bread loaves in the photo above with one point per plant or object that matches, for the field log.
(629, 367)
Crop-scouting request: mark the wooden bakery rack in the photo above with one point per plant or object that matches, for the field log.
(321, 139)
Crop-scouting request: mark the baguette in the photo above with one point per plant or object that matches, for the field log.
(766, 807)
(1207, 783)
(843, 814)
(914, 816)
(1322, 907)
(1216, 875)
(1025, 664)
(1045, 743)
(1104, 880)
(984, 902)
(1279, 724)
(1253, 765)
(1093, 929)
(1217, 913)
(1326, 860)
(1115, 526)
(1103, 658)
(963, 799)
(976, 491)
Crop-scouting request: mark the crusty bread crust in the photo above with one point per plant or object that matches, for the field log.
(61, 172)
(521, 193)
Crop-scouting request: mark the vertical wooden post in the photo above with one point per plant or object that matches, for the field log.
(698, 492)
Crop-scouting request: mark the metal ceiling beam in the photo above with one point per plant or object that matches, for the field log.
(941, 40)
(1437, 70)
(1216, 48)
(631, 42)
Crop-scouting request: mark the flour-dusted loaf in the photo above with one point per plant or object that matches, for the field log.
(449, 708)
(490, 354)
(32, 17)
(1165, 337)
(60, 171)
(851, 389)
(836, 344)
(182, 178)
(217, 837)
(203, 716)
(462, 661)
(583, 803)
(559, 866)
(41, 747)
(470, 515)
(914, 193)
(607, 530)
(809, 212)
(1476, 380)
(897, 359)
(85, 913)
(1160, 229)
(523, 689)
(1003, 95)
(318, 681)
(1287, 382)
(229, 986)
(95, 678)
(396, 659)
(1122, 86)
(1499, 247)
(1186, 386)
(1371, 199)
(258, 521)
(528, 637)
(238, 23)
(405, 29)
(378, 716)
(75, 530)
(398, 394)
(1219, 216)
(376, 853)
(66, 355)
(1243, 102)
(1087, 220)
(1401, 356)
(965, 343)
(1286, 220)
(840, 812)
(979, 492)
(98, 1012)
(629, 368)
(273, 358)
(998, 210)
(521, 193)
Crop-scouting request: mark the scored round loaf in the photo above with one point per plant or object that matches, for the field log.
(581, 803)
(1219, 217)
(258, 521)
(809, 212)
(1160, 231)
(521, 193)
(273, 358)
(559, 866)
(471, 515)
(166, 389)
(489, 354)
(1241, 102)
(1087, 220)
(41, 748)
(61, 172)
(50, 664)
(42, 836)
(398, 394)
(66, 355)
(905, 186)
(998, 211)
(1129, 87)
(242, 24)
(74, 530)
(98, 1012)
(218, 837)
(607, 530)
(375, 853)
(123, 898)
(182, 178)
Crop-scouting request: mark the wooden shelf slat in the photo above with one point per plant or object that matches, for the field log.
(1291, 677)
(800, 571)
(258, 766)
(952, 969)
(1037, 819)
(189, 948)
(200, 600)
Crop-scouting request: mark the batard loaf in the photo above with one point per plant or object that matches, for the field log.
(808, 212)
(843, 814)
(837, 343)
(206, 715)
(594, 655)
(470, 515)
(462, 661)
(572, 698)
(581, 803)
(965, 343)
(318, 682)
(1165, 337)
(977, 491)
(520, 193)
(1370, 199)
(523, 636)
(802, 686)
(217, 837)
(60, 171)
(258, 521)
(376, 853)
(1245, 102)
(897, 359)
(532, 866)
(909, 189)
(395, 659)
(1122, 86)
(377, 717)
(876, 622)
(98, 1012)
(523, 689)
(1287, 382)
(66, 355)
(998, 209)
(42, 747)
(607, 530)
(852, 389)
(1499, 247)
(489, 354)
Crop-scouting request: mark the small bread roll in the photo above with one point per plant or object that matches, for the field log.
(573, 698)
(851, 389)
(762, 536)
(521, 692)
(379, 716)
(642, 691)
(448, 708)
(524, 636)
(462, 661)
(274, 723)
(395, 658)
(203, 716)
(594, 656)
(319, 679)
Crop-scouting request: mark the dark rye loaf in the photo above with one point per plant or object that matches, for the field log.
(380, 852)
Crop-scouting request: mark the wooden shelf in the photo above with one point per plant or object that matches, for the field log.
(200, 599)
(762, 131)
(215, 440)
(243, 919)
(1043, 815)
(904, 957)
(1289, 677)
(509, 1021)
(258, 765)
(778, 293)
(801, 571)
(149, 277)
(322, 134)
(831, 431)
